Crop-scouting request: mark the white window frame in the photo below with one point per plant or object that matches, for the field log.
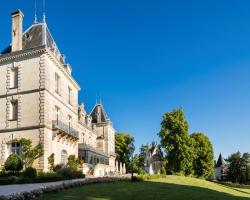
(57, 113)
(57, 83)
(13, 110)
(14, 78)
(64, 157)
(69, 95)
(16, 148)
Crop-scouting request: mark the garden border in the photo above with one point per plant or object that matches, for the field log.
(60, 185)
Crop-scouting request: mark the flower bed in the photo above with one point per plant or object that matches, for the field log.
(61, 186)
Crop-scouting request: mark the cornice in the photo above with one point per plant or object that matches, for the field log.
(22, 54)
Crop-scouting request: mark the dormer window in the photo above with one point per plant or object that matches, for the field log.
(14, 78)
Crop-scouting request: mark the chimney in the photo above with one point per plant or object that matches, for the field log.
(17, 30)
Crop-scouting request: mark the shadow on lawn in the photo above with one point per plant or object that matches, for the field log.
(141, 191)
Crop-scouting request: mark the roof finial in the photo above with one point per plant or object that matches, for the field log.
(100, 100)
(35, 17)
(96, 99)
(44, 11)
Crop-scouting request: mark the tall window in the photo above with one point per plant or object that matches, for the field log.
(70, 122)
(16, 148)
(14, 108)
(14, 78)
(57, 83)
(64, 157)
(57, 111)
(69, 95)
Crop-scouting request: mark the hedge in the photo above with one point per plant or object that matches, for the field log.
(40, 178)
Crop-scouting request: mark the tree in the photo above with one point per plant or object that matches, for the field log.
(234, 167)
(122, 141)
(137, 164)
(28, 153)
(203, 163)
(245, 167)
(176, 142)
(238, 167)
(13, 163)
(142, 154)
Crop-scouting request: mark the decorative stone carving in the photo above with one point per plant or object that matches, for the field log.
(81, 112)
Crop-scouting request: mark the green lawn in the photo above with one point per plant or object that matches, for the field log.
(170, 188)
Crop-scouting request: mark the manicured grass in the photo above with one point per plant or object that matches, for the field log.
(170, 188)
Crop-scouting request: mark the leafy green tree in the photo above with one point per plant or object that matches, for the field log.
(28, 153)
(176, 142)
(136, 164)
(245, 167)
(203, 163)
(122, 141)
(238, 167)
(13, 163)
(234, 167)
(142, 154)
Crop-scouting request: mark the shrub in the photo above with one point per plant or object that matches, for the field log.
(70, 173)
(13, 163)
(30, 172)
(141, 171)
(58, 167)
(48, 177)
(146, 177)
(51, 160)
(73, 163)
(234, 185)
(163, 171)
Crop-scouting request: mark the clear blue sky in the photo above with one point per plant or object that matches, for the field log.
(147, 57)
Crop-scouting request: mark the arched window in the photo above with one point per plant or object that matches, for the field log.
(64, 157)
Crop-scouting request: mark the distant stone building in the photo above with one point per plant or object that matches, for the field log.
(220, 169)
(39, 101)
(154, 159)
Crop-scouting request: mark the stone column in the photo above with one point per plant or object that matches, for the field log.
(121, 168)
(116, 166)
(124, 168)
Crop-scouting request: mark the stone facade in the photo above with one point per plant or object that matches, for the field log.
(43, 104)
(154, 159)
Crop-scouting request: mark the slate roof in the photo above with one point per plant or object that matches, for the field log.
(38, 35)
(220, 161)
(94, 114)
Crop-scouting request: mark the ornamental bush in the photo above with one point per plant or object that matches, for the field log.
(13, 163)
(73, 162)
(30, 172)
(69, 173)
(51, 160)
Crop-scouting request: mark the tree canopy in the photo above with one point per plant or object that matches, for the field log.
(176, 142)
(203, 163)
(122, 141)
(28, 153)
(238, 167)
